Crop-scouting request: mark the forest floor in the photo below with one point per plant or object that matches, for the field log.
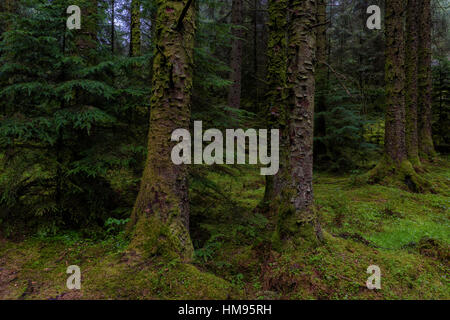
(406, 234)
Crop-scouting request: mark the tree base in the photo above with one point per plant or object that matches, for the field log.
(294, 228)
(401, 175)
(154, 238)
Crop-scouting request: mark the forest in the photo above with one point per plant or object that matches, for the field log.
(224, 150)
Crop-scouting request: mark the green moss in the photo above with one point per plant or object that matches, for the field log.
(401, 175)
(154, 238)
(404, 233)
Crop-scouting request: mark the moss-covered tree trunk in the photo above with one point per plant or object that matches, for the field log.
(412, 41)
(135, 28)
(395, 168)
(297, 220)
(276, 93)
(234, 95)
(426, 147)
(161, 212)
(321, 75)
(395, 147)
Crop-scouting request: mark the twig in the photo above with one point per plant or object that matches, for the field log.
(339, 75)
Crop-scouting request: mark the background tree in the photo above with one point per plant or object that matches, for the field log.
(395, 164)
(425, 83)
(234, 96)
(412, 40)
(135, 28)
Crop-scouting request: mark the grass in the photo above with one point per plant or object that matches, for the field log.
(405, 234)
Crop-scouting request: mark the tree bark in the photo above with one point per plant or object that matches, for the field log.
(426, 147)
(161, 211)
(234, 95)
(412, 40)
(297, 220)
(135, 29)
(276, 94)
(394, 143)
(395, 167)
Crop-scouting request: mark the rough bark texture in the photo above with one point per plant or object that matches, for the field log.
(276, 93)
(412, 40)
(161, 211)
(135, 32)
(394, 145)
(296, 217)
(234, 95)
(395, 166)
(426, 147)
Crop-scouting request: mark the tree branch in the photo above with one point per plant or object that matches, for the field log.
(183, 14)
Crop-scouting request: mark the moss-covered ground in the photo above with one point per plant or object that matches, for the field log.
(406, 234)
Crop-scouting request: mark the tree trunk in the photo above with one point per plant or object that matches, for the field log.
(161, 211)
(135, 29)
(276, 93)
(234, 95)
(297, 220)
(395, 166)
(395, 147)
(86, 38)
(113, 27)
(412, 40)
(426, 147)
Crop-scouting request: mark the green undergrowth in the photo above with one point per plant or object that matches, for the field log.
(406, 234)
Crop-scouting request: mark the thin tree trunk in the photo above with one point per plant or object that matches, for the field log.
(161, 211)
(297, 220)
(86, 38)
(426, 147)
(255, 51)
(234, 95)
(113, 27)
(412, 40)
(135, 29)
